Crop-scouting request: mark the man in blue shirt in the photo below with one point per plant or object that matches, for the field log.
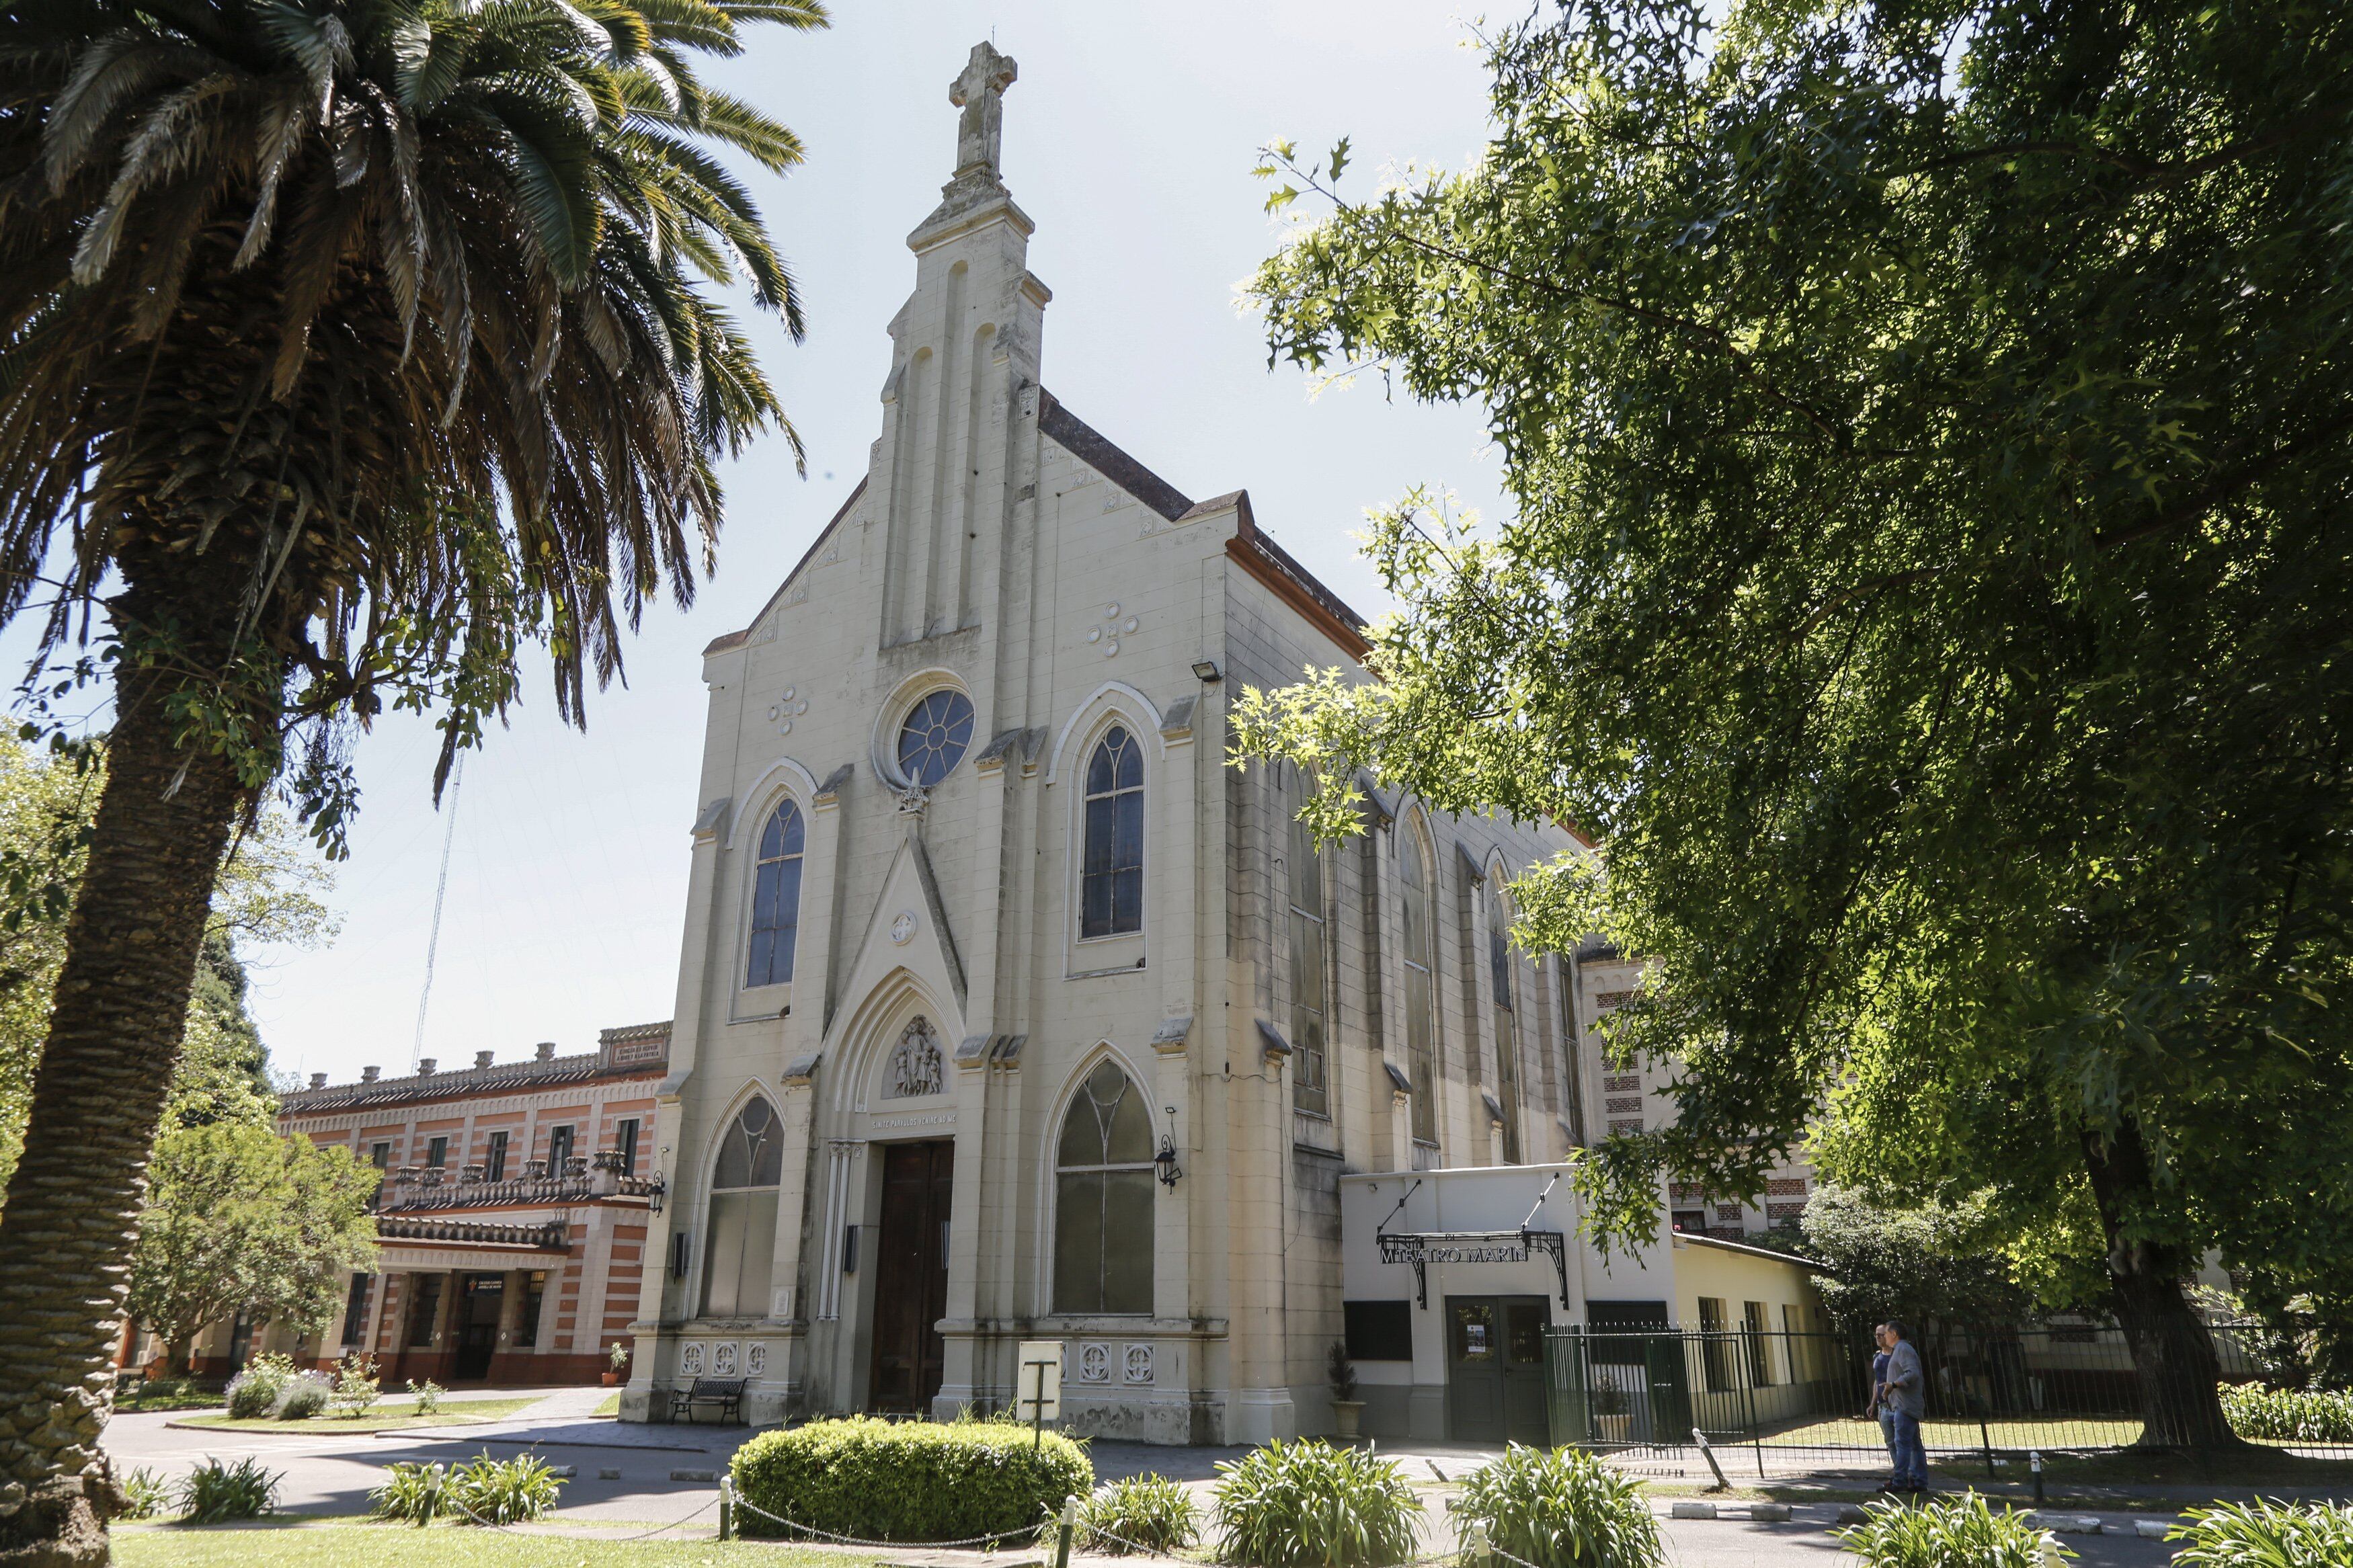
(1907, 1395)
(1879, 1408)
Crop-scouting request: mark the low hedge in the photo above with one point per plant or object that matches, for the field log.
(2288, 1414)
(907, 1481)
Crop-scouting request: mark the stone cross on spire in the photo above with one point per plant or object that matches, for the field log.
(979, 91)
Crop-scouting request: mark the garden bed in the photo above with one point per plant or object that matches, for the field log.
(385, 1417)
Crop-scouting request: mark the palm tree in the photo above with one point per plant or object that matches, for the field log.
(347, 347)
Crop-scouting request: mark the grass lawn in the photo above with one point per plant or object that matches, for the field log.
(612, 1406)
(334, 1545)
(170, 1399)
(384, 1417)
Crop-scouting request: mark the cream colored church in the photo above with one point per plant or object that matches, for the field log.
(1008, 1010)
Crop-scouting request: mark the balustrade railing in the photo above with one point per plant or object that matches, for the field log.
(583, 1178)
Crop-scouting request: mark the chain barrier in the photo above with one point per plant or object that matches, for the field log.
(743, 1502)
(1095, 1532)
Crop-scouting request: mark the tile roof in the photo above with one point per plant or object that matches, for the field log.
(500, 1077)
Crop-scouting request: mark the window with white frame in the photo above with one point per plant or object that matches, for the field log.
(1110, 874)
(776, 898)
(740, 1239)
(1309, 1089)
(1103, 1198)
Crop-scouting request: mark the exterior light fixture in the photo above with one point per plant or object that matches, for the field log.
(1164, 1164)
(1208, 670)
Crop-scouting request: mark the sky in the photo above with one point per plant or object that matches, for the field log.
(1129, 138)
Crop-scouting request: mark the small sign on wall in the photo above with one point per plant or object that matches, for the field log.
(1038, 1389)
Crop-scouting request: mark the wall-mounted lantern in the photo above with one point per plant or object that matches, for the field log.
(1164, 1164)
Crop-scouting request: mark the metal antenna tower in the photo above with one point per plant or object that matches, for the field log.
(440, 891)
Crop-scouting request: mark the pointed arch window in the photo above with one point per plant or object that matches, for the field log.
(1507, 1034)
(1111, 878)
(1309, 1089)
(1421, 1048)
(1571, 1049)
(740, 1242)
(776, 898)
(1103, 1198)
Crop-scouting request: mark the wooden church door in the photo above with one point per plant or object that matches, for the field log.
(910, 1276)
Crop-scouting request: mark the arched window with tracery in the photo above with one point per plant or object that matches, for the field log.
(776, 898)
(1309, 1087)
(1416, 916)
(739, 1241)
(1110, 877)
(1507, 1034)
(1103, 1198)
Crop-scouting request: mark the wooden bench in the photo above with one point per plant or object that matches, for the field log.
(727, 1392)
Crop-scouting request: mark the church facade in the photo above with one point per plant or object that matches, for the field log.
(1008, 1009)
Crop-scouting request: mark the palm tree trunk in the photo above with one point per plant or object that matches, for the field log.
(114, 1033)
(2174, 1361)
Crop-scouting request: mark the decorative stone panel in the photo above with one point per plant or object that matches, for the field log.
(755, 1361)
(689, 1359)
(722, 1359)
(1139, 1364)
(1094, 1362)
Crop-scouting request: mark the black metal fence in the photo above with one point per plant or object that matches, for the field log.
(1798, 1398)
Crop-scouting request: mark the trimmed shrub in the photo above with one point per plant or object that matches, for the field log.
(1150, 1513)
(304, 1397)
(502, 1491)
(1556, 1508)
(1958, 1532)
(907, 1481)
(1310, 1505)
(254, 1391)
(214, 1493)
(2266, 1535)
(144, 1494)
(2288, 1414)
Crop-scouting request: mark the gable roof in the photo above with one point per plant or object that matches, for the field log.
(1253, 549)
(1092, 447)
(736, 638)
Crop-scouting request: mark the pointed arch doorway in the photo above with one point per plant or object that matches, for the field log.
(910, 1276)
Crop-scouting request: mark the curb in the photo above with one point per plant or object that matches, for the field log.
(518, 1439)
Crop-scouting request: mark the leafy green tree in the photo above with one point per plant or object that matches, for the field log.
(272, 891)
(239, 1219)
(1930, 1267)
(1928, 584)
(351, 348)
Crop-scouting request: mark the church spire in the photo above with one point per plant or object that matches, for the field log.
(964, 349)
(978, 189)
(979, 91)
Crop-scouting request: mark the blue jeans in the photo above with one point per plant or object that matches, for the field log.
(1887, 1431)
(1905, 1446)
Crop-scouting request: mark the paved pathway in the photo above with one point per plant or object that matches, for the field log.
(631, 1476)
